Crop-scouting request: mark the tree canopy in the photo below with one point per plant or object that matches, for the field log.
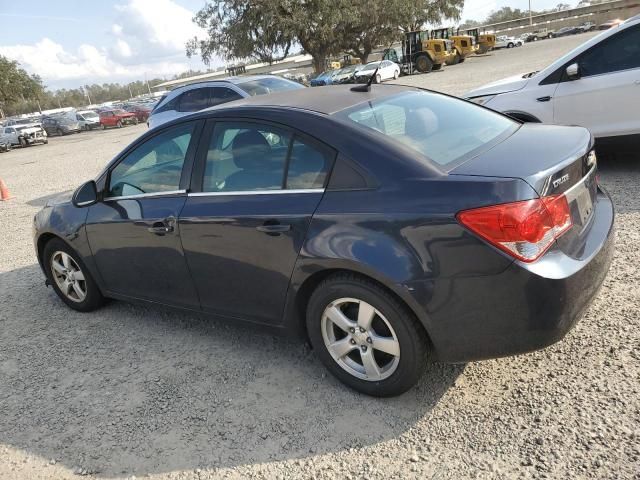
(268, 30)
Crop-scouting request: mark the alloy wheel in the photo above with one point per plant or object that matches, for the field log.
(360, 339)
(68, 276)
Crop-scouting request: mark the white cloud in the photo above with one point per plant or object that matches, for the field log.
(150, 37)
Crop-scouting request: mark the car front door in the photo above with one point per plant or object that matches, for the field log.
(133, 231)
(605, 97)
(254, 191)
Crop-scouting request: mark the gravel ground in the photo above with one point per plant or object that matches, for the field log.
(134, 391)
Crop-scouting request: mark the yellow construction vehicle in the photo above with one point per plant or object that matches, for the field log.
(484, 41)
(419, 53)
(463, 44)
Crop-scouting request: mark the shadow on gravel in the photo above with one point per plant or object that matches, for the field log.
(42, 201)
(137, 390)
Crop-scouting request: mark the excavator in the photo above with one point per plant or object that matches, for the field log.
(484, 41)
(419, 52)
(463, 44)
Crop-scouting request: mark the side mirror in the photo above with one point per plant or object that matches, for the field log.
(573, 71)
(85, 195)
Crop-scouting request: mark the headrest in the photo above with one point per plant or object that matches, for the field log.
(249, 149)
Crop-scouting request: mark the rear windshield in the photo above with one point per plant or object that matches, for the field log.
(443, 129)
(262, 86)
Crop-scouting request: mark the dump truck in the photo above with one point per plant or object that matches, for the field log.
(419, 52)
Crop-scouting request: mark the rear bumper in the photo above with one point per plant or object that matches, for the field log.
(526, 307)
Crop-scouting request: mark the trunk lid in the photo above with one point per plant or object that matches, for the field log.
(553, 160)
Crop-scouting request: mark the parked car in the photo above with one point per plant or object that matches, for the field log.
(141, 112)
(117, 118)
(504, 41)
(198, 96)
(60, 125)
(347, 74)
(565, 31)
(596, 85)
(381, 224)
(88, 119)
(324, 78)
(387, 70)
(541, 34)
(610, 24)
(587, 27)
(24, 135)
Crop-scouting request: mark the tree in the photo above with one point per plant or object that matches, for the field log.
(17, 86)
(267, 30)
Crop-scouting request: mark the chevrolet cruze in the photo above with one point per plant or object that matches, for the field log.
(381, 225)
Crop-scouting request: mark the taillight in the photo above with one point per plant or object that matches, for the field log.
(525, 230)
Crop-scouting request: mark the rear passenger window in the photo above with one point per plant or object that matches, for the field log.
(308, 166)
(194, 100)
(246, 157)
(223, 95)
(619, 52)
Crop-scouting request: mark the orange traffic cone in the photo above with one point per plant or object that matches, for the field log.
(4, 191)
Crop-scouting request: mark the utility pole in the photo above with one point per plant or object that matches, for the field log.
(130, 94)
(530, 17)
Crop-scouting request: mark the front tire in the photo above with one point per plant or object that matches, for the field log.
(119, 124)
(424, 64)
(70, 278)
(510, 45)
(366, 337)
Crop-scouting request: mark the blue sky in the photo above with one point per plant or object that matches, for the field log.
(77, 42)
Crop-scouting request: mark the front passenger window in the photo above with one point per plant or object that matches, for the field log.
(153, 167)
(619, 52)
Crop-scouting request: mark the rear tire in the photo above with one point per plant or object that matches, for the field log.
(119, 124)
(75, 278)
(59, 132)
(361, 364)
(455, 60)
(103, 126)
(396, 74)
(23, 142)
(510, 45)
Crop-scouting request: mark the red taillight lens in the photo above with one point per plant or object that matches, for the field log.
(525, 229)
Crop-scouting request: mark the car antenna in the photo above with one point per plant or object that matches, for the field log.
(367, 86)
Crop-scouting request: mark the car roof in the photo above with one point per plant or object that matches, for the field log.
(327, 100)
(232, 80)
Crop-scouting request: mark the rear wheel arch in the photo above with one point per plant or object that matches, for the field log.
(313, 281)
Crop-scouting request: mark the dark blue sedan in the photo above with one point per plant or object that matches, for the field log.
(381, 225)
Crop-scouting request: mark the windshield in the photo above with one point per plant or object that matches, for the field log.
(89, 115)
(371, 66)
(443, 129)
(263, 86)
(348, 69)
(119, 112)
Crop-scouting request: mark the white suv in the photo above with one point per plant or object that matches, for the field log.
(597, 86)
(198, 96)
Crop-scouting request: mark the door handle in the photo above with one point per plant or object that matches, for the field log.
(162, 228)
(273, 227)
(543, 99)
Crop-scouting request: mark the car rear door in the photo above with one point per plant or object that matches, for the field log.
(255, 188)
(133, 231)
(606, 97)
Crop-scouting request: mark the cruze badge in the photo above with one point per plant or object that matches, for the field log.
(561, 180)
